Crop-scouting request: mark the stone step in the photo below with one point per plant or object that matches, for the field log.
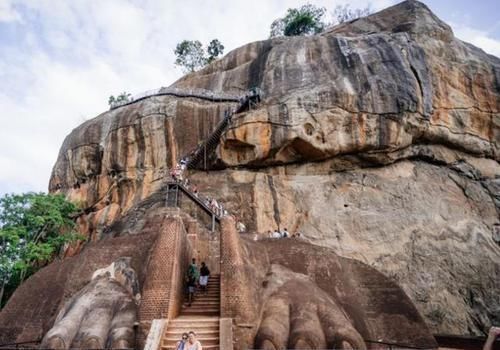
(199, 304)
(182, 319)
(187, 328)
(199, 332)
(201, 312)
(202, 339)
(205, 347)
(204, 302)
(191, 309)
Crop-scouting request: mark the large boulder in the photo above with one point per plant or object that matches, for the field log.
(378, 139)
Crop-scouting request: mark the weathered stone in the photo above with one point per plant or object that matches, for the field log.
(378, 139)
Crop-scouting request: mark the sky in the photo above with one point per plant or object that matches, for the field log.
(60, 60)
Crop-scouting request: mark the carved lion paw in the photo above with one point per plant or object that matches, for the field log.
(101, 315)
(299, 315)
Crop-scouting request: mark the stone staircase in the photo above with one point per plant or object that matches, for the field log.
(202, 317)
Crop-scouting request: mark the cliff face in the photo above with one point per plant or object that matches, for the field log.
(379, 139)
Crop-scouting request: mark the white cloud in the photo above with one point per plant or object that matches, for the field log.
(8, 13)
(478, 38)
(67, 57)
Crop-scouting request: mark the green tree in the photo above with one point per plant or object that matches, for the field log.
(214, 50)
(123, 97)
(33, 228)
(190, 55)
(305, 20)
(344, 13)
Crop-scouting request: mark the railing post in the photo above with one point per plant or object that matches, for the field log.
(205, 156)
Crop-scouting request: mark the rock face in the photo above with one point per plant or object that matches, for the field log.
(378, 139)
(300, 296)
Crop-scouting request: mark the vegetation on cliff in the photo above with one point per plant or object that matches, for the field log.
(33, 228)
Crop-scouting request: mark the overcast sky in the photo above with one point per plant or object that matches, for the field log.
(61, 59)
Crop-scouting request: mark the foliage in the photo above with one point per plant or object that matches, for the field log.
(33, 228)
(214, 49)
(123, 97)
(191, 56)
(306, 20)
(344, 13)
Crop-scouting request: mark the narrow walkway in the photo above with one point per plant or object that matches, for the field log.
(202, 317)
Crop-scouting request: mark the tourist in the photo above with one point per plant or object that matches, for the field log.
(276, 234)
(241, 227)
(285, 233)
(182, 343)
(193, 269)
(204, 274)
(192, 343)
(493, 334)
(191, 284)
(270, 234)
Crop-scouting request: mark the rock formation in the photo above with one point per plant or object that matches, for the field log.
(102, 314)
(378, 140)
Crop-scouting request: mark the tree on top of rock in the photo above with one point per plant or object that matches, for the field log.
(191, 56)
(309, 19)
(344, 13)
(214, 50)
(305, 20)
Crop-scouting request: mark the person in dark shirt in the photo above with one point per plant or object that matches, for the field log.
(204, 274)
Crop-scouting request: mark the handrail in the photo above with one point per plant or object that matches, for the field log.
(21, 343)
(397, 345)
(172, 91)
(245, 99)
(194, 198)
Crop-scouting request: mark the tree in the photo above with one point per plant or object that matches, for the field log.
(191, 56)
(344, 13)
(123, 97)
(33, 228)
(306, 20)
(214, 49)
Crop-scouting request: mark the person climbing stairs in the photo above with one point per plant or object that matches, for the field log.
(202, 317)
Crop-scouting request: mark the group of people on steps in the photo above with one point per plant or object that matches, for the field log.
(196, 278)
(188, 342)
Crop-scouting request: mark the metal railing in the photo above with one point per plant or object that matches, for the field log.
(395, 346)
(173, 91)
(34, 344)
